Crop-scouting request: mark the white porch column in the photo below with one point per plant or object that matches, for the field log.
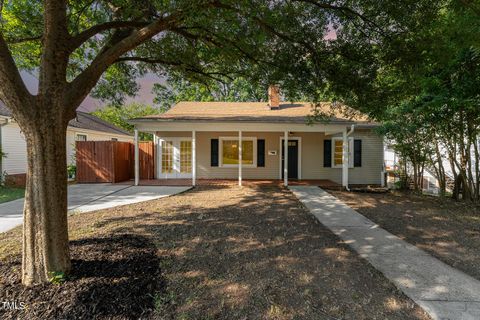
(240, 158)
(345, 160)
(137, 160)
(194, 158)
(382, 181)
(285, 159)
(155, 156)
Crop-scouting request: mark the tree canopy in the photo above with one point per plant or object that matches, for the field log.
(104, 45)
(177, 89)
(120, 116)
(280, 41)
(434, 121)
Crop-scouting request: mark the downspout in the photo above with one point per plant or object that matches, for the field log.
(352, 128)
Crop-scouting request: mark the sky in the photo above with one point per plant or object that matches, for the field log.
(144, 95)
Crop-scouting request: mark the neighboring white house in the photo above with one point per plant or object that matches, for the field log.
(85, 127)
(430, 182)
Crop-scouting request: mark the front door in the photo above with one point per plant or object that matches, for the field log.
(292, 159)
(175, 158)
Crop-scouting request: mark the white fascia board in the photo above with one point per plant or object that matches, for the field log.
(151, 126)
(82, 130)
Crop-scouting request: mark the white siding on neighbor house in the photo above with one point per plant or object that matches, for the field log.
(91, 136)
(14, 145)
(311, 157)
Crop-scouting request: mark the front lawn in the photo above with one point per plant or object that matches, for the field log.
(446, 229)
(9, 193)
(210, 253)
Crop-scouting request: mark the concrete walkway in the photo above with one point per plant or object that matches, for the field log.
(444, 292)
(90, 197)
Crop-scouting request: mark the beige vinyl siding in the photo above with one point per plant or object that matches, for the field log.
(372, 159)
(204, 170)
(311, 157)
(368, 173)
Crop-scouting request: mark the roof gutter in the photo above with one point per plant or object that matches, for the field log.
(352, 128)
(150, 120)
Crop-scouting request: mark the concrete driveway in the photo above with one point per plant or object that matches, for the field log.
(90, 197)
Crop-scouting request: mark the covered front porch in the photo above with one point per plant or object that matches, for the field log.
(204, 153)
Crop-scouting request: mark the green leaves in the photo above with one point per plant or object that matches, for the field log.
(57, 277)
(370, 62)
(120, 115)
(177, 89)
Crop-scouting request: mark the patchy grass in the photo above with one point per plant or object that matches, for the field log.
(447, 229)
(9, 193)
(219, 253)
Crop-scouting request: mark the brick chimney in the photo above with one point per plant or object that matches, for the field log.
(274, 97)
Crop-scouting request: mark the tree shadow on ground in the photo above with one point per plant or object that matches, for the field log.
(256, 253)
(113, 277)
(223, 252)
(447, 229)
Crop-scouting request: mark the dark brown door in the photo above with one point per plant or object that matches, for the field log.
(292, 159)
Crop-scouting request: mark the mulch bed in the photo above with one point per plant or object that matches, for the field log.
(111, 278)
(223, 253)
(447, 229)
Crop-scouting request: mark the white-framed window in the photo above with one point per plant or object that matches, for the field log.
(81, 137)
(228, 152)
(337, 152)
(114, 139)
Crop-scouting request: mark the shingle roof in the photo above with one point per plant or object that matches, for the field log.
(4, 111)
(257, 112)
(82, 121)
(89, 121)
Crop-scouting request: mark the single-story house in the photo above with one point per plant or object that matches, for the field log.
(85, 127)
(247, 140)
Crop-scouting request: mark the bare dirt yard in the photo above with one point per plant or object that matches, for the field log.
(447, 229)
(210, 253)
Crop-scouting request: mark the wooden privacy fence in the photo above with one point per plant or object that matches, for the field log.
(146, 157)
(112, 161)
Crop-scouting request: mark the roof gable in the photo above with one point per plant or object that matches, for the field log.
(83, 120)
(88, 121)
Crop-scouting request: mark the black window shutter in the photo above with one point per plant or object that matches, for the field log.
(260, 153)
(327, 153)
(357, 153)
(214, 153)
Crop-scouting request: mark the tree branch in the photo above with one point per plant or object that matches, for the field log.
(83, 36)
(54, 58)
(469, 4)
(79, 88)
(22, 40)
(13, 91)
(148, 60)
(220, 43)
(187, 67)
(345, 10)
(267, 27)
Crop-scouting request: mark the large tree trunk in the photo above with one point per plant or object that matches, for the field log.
(45, 231)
